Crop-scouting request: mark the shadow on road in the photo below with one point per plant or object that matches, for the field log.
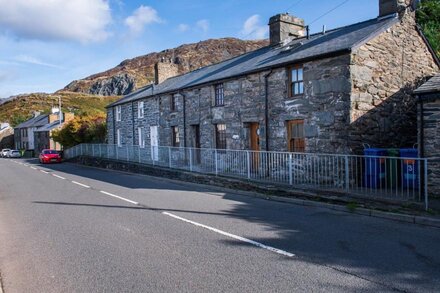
(397, 255)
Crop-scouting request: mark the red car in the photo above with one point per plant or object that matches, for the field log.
(49, 156)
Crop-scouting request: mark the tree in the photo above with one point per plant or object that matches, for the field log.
(428, 17)
(82, 129)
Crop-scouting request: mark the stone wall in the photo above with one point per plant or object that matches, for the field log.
(385, 71)
(431, 121)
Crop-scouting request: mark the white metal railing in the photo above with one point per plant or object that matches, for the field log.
(394, 178)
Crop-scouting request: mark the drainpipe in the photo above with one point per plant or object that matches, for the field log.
(266, 107)
(422, 126)
(132, 122)
(184, 118)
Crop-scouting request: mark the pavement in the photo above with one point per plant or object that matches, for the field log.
(70, 228)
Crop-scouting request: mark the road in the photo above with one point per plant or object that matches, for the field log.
(70, 228)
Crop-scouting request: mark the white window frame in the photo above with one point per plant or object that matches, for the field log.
(118, 113)
(141, 137)
(141, 109)
(118, 137)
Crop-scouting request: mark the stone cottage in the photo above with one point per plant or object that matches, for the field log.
(329, 92)
(428, 96)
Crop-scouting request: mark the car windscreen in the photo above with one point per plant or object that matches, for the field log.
(50, 152)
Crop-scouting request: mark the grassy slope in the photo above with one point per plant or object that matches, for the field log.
(22, 107)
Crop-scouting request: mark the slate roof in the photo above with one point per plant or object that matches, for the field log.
(429, 87)
(34, 122)
(335, 41)
(49, 126)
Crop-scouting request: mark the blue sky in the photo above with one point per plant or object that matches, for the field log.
(45, 44)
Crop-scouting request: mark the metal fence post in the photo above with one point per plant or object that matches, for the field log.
(190, 160)
(290, 170)
(93, 150)
(82, 152)
(216, 165)
(347, 174)
(169, 156)
(248, 158)
(127, 153)
(426, 184)
(100, 150)
(117, 152)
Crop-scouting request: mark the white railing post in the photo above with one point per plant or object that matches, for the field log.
(93, 150)
(248, 158)
(216, 164)
(347, 174)
(169, 156)
(425, 169)
(82, 152)
(117, 152)
(290, 170)
(100, 151)
(128, 153)
(190, 160)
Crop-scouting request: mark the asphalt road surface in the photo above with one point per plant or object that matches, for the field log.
(70, 228)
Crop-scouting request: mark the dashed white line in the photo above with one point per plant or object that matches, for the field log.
(80, 184)
(45, 172)
(258, 244)
(120, 197)
(34, 168)
(55, 175)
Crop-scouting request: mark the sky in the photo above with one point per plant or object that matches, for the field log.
(45, 44)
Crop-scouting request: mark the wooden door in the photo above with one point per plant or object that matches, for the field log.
(254, 143)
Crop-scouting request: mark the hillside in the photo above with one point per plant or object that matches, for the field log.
(137, 72)
(20, 108)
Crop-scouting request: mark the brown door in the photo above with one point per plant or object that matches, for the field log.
(196, 143)
(254, 143)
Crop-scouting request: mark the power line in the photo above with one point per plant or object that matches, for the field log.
(293, 5)
(330, 11)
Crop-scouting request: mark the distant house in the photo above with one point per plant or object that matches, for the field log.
(6, 136)
(35, 134)
(428, 96)
(329, 92)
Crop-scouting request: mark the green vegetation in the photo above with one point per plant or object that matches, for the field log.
(428, 16)
(82, 129)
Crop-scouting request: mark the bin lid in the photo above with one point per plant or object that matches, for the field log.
(374, 151)
(411, 153)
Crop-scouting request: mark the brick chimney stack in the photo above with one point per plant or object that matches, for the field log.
(164, 69)
(285, 27)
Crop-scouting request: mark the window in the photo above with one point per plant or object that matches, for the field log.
(118, 137)
(219, 94)
(220, 136)
(140, 109)
(173, 105)
(296, 83)
(295, 136)
(118, 113)
(175, 136)
(141, 137)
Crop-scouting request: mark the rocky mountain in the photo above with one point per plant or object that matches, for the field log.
(22, 107)
(138, 72)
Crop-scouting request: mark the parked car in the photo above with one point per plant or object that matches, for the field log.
(4, 153)
(49, 156)
(14, 154)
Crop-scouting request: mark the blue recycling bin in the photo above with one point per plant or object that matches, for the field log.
(410, 170)
(374, 167)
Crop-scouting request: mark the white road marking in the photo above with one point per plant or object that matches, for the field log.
(55, 175)
(258, 244)
(80, 184)
(45, 172)
(34, 168)
(121, 198)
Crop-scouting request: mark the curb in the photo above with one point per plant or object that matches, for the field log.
(413, 219)
(420, 220)
(1, 286)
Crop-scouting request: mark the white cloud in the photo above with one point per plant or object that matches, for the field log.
(79, 20)
(35, 61)
(203, 24)
(141, 17)
(183, 27)
(253, 29)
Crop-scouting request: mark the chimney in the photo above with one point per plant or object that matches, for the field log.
(285, 27)
(164, 70)
(389, 7)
